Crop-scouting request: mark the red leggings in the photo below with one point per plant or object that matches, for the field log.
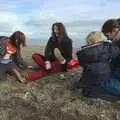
(40, 60)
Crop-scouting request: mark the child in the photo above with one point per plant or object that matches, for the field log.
(6, 62)
(95, 58)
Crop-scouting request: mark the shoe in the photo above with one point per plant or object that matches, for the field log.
(64, 67)
(62, 77)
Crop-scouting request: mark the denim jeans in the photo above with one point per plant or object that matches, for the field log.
(116, 73)
(112, 86)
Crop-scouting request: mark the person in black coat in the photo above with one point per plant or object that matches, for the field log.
(58, 52)
(95, 59)
(60, 40)
(111, 29)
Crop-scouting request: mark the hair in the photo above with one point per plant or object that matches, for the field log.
(63, 33)
(109, 25)
(118, 21)
(94, 37)
(18, 38)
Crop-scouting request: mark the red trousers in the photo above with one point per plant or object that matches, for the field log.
(40, 60)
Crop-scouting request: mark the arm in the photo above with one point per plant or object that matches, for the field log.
(67, 49)
(80, 57)
(19, 60)
(48, 50)
(114, 50)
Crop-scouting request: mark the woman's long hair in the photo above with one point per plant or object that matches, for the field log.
(63, 34)
(18, 38)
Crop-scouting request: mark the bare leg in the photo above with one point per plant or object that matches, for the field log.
(62, 60)
(18, 76)
(58, 55)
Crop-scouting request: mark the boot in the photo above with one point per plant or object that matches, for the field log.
(64, 67)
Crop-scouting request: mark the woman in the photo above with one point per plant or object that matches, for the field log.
(58, 53)
(7, 64)
(18, 39)
(95, 59)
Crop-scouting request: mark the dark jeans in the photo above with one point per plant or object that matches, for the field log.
(112, 86)
(116, 73)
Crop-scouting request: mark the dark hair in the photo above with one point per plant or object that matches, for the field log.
(18, 38)
(109, 25)
(63, 33)
(118, 21)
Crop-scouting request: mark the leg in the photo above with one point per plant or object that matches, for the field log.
(56, 67)
(18, 76)
(15, 71)
(39, 59)
(61, 59)
(58, 55)
(36, 75)
(112, 86)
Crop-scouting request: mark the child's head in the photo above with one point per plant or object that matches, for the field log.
(110, 28)
(94, 37)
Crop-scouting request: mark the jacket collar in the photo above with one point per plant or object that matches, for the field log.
(92, 45)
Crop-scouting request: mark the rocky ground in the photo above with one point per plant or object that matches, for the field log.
(50, 99)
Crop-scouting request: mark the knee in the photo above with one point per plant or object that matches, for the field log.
(56, 50)
(34, 56)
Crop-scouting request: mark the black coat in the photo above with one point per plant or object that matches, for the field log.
(96, 62)
(65, 48)
(115, 62)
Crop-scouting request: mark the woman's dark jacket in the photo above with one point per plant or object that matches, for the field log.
(95, 60)
(65, 48)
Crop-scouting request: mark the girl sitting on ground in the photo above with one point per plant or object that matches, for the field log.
(58, 53)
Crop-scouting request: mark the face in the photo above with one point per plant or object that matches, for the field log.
(111, 35)
(57, 30)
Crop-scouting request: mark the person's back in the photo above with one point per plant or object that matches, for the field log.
(95, 60)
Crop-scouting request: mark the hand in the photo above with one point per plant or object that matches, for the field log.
(48, 65)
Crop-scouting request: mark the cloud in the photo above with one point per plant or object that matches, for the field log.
(35, 17)
(7, 22)
(5, 28)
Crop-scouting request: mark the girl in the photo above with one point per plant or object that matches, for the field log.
(58, 53)
(7, 64)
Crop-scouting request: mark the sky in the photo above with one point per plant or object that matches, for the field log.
(35, 17)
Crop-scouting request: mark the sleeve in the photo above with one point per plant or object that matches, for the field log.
(48, 50)
(2, 49)
(114, 50)
(67, 49)
(19, 60)
(80, 57)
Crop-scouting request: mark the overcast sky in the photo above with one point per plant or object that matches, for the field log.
(35, 17)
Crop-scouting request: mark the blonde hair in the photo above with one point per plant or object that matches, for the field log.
(94, 37)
